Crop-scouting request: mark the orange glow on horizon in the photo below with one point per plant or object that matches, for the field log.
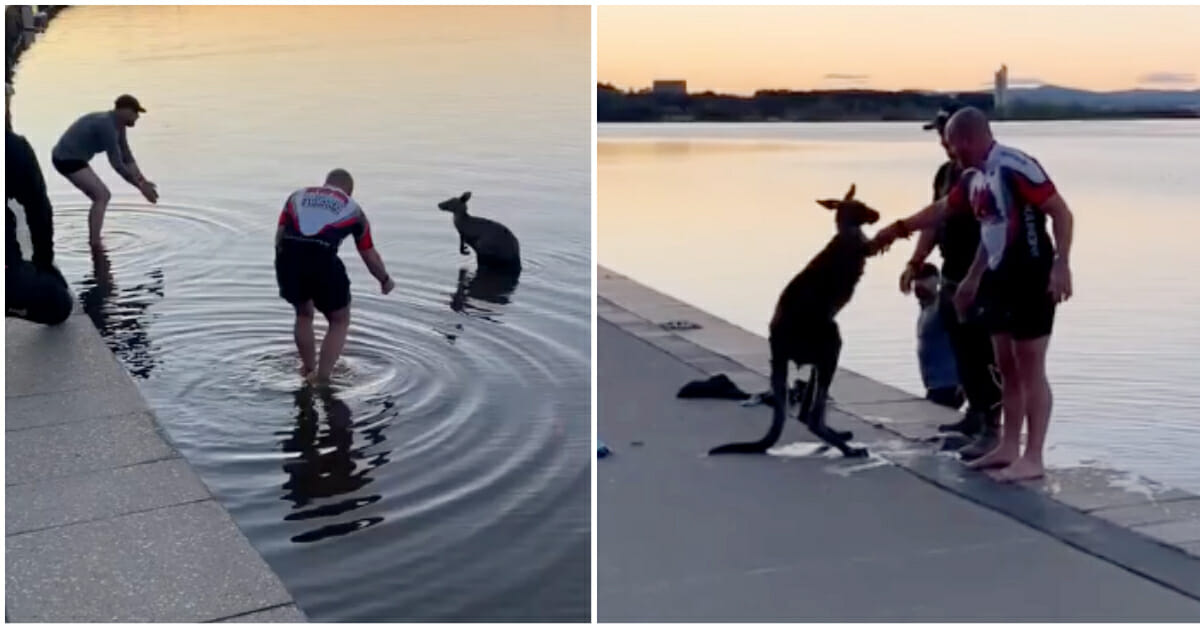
(743, 49)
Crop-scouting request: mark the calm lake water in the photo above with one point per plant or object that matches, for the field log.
(722, 216)
(448, 478)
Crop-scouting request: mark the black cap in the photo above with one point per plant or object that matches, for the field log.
(943, 116)
(125, 101)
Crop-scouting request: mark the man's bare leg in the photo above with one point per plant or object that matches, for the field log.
(1009, 448)
(90, 184)
(334, 342)
(306, 340)
(1031, 362)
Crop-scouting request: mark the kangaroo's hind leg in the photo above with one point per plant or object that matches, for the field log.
(824, 358)
(824, 367)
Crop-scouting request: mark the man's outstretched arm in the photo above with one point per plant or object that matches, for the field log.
(928, 218)
(121, 162)
(374, 263)
(366, 249)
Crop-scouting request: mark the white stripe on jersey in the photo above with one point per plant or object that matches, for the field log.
(317, 208)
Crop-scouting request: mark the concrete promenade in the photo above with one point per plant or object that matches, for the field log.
(806, 536)
(104, 521)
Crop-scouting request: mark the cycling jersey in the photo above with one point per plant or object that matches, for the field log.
(325, 215)
(1005, 195)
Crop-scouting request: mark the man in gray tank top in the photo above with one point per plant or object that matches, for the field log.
(101, 132)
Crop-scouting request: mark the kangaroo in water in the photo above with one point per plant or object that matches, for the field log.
(803, 329)
(495, 246)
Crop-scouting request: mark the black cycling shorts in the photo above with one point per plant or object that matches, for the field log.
(311, 272)
(1017, 301)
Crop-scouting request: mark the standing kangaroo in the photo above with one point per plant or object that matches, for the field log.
(803, 329)
(495, 246)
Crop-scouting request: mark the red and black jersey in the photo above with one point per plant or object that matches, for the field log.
(325, 215)
(1006, 195)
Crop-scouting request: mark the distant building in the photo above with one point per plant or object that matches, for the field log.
(1000, 93)
(670, 88)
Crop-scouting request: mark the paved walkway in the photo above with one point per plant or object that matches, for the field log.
(801, 536)
(104, 521)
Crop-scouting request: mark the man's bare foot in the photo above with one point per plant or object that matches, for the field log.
(997, 458)
(1021, 470)
(316, 380)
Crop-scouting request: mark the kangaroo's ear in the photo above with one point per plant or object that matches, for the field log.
(829, 203)
(850, 194)
(465, 197)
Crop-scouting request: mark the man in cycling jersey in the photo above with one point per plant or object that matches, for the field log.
(312, 225)
(1023, 274)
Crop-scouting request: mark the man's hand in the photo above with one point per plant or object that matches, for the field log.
(386, 285)
(886, 236)
(148, 190)
(964, 296)
(907, 277)
(1060, 280)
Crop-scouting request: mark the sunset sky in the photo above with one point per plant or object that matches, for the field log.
(742, 49)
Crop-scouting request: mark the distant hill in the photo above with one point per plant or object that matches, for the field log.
(1128, 100)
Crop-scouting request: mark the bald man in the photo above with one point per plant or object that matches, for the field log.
(1023, 273)
(312, 225)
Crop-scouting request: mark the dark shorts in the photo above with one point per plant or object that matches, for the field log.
(312, 273)
(1016, 301)
(68, 167)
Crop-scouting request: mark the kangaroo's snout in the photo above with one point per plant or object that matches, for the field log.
(455, 203)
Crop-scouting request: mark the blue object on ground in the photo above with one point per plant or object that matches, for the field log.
(602, 450)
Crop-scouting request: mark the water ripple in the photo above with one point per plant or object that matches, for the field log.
(447, 434)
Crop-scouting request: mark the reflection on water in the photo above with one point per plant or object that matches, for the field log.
(122, 314)
(324, 475)
(485, 284)
(719, 216)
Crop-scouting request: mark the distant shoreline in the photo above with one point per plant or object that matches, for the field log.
(1098, 118)
(1044, 104)
(19, 36)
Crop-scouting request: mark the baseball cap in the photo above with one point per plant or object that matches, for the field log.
(943, 116)
(125, 101)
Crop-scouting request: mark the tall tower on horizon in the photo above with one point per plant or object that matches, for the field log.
(1000, 91)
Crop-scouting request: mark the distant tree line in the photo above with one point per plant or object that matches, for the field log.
(614, 105)
(855, 105)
